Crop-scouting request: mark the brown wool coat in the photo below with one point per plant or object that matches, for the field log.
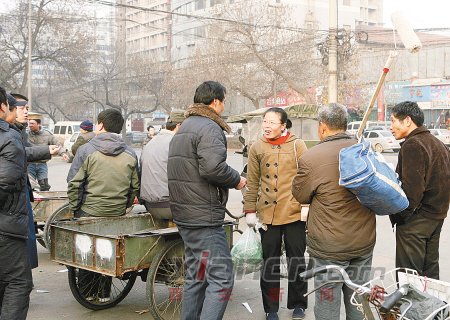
(269, 179)
(339, 227)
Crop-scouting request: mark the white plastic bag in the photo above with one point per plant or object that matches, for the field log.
(247, 253)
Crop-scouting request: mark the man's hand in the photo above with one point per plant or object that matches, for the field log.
(242, 183)
(65, 156)
(251, 220)
(54, 149)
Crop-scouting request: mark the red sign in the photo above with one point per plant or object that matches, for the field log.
(284, 99)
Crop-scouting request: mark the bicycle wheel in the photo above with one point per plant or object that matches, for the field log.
(165, 281)
(62, 212)
(96, 291)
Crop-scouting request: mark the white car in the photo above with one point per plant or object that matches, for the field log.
(442, 134)
(68, 143)
(381, 140)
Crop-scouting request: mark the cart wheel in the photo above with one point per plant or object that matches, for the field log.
(379, 148)
(92, 295)
(62, 212)
(165, 282)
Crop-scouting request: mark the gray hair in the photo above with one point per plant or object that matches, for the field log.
(334, 115)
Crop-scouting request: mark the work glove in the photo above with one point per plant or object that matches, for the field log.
(251, 220)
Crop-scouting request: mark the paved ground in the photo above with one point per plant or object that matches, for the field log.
(59, 303)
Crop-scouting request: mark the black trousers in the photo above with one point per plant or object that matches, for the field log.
(295, 244)
(418, 245)
(15, 278)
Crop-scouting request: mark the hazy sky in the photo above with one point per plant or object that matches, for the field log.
(420, 13)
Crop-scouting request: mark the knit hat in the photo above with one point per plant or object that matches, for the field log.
(87, 125)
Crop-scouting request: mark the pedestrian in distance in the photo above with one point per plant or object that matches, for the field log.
(86, 134)
(38, 169)
(199, 179)
(341, 231)
(15, 271)
(424, 170)
(272, 164)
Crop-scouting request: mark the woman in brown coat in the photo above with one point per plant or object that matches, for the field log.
(272, 164)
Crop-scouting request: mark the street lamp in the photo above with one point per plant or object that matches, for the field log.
(332, 53)
(30, 44)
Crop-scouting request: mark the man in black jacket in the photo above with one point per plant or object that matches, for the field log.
(199, 179)
(15, 271)
(424, 170)
(19, 119)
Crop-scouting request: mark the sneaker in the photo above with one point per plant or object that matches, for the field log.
(103, 300)
(298, 314)
(272, 316)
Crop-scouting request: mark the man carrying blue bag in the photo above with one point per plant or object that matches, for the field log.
(424, 170)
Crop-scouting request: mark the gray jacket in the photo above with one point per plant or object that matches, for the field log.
(199, 177)
(154, 157)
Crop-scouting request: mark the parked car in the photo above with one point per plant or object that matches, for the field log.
(442, 134)
(135, 137)
(381, 140)
(68, 143)
(65, 129)
(352, 127)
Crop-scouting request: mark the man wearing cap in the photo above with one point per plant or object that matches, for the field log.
(15, 272)
(86, 135)
(154, 186)
(19, 118)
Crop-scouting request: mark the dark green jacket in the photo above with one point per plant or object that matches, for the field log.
(103, 179)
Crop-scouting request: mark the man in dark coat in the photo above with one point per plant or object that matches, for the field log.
(15, 271)
(33, 153)
(424, 170)
(199, 179)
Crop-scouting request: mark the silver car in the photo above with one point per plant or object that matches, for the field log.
(442, 134)
(381, 140)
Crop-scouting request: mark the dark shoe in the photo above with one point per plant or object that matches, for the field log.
(298, 314)
(43, 185)
(272, 316)
(47, 185)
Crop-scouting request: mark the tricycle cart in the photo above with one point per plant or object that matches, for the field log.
(48, 207)
(118, 249)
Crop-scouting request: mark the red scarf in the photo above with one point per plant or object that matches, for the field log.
(279, 140)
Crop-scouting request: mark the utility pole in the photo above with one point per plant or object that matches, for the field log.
(30, 50)
(332, 52)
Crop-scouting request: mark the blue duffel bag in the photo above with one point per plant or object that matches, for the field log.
(367, 175)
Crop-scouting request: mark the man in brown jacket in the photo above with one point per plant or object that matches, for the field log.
(424, 170)
(341, 231)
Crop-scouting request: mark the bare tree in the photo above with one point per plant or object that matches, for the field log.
(60, 47)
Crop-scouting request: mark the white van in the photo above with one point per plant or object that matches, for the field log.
(65, 129)
(352, 127)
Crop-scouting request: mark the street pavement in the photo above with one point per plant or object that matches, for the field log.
(51, 297)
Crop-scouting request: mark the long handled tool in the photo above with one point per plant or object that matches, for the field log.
(410, 41)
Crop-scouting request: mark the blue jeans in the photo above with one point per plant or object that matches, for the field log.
(209, 274)
(328, 299)
(38, 170)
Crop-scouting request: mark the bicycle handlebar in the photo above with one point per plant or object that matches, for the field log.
(392, 299)
(312, 272)
(345, 278)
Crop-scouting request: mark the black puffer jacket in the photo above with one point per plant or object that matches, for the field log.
(13, 204)
(199, 177)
